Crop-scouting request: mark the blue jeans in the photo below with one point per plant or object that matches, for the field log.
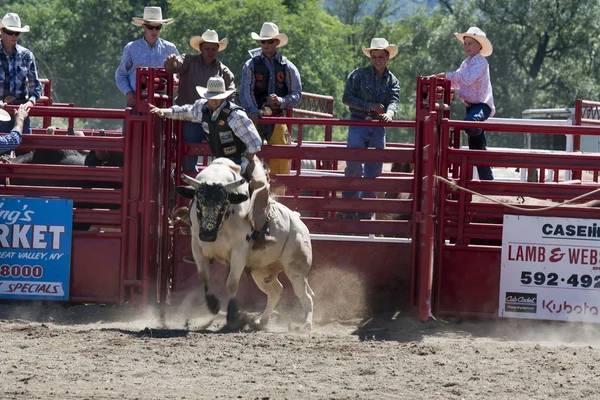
(362, 137)
(191, 132)
(477, 139)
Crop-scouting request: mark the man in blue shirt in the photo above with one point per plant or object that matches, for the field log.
(19, 83)
(13, 139)
(371, 93)
(149, 51)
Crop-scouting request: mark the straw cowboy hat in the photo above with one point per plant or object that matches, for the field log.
(478, 35)
(381, 44)
(209, 36)
(270, 31)
(215, 89)
(12, 22)
(152, 16)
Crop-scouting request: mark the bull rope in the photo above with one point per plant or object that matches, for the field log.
(455, 186)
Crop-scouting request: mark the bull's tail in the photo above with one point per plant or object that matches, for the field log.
(259, 207)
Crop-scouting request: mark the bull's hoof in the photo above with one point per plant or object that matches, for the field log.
(233, 313)
(213, 303)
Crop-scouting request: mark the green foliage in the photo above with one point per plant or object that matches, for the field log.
(545, 51)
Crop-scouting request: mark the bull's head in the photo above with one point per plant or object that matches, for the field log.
(212, 203)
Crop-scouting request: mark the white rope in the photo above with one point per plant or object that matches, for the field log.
(454, 186)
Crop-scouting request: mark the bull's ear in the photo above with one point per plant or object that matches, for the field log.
(186, 192)
(237, 198)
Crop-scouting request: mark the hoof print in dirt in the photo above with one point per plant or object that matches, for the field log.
(300, 328)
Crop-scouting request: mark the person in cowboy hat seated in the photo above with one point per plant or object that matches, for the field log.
(472, 78)
(13, 139)
(371, 93)
(230, 133)
(148, 51)
(23, 87)
(195, 70)
(271, 83)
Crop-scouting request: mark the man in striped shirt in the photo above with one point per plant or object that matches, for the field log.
(10, 141)
(148, 51)
(230, 133)
(371, 93)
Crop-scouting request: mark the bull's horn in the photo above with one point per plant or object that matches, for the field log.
(190, 181)
(233, 185)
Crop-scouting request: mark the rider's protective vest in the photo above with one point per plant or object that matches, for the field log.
(221, 139)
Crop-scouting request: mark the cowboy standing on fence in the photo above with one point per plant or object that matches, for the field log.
(371, 93)
(271, 83)
(19, 83)
(230, 133)
(195, 70)
(149, 51)
(472, 78)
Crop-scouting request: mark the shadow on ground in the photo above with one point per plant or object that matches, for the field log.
(380, 327)
(391, 327)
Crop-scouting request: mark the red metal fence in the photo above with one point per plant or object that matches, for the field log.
(431, 261)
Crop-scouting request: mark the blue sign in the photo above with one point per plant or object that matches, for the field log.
(35, 248)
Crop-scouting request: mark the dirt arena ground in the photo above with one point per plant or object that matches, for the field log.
(101, 352)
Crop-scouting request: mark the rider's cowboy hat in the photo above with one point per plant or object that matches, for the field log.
(209, 36)
(152, 16)
(381, 44)
(270, 31)
(215, 89)
(12, 22)
(477, 34)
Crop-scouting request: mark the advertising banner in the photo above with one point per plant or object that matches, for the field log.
(35, 248)
(550, 268)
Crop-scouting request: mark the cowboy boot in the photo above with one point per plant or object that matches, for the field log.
(262, 238)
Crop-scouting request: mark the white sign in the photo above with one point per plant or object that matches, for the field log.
(550, 268)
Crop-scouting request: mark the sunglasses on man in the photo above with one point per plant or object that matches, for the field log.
(268, 41)
(151, 28)
(10, 33)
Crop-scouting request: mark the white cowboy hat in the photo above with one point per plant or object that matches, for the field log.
(152, 15)
(4, 116)
(381, 44)
(478, 35)
(270, 31)
(215, 89)
(12, 22)
(210, 36)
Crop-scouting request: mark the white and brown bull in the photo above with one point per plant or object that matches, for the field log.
(221, 229)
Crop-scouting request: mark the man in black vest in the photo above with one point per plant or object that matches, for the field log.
(230, 133)
(270, 82)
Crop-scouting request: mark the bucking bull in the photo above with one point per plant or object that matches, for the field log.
(220, 224)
